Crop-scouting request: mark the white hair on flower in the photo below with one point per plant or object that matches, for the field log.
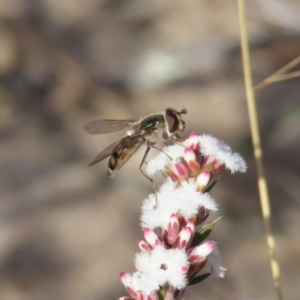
(214, 264)
(161, 160)
(160, 267)
(214, 149)
(171, 199)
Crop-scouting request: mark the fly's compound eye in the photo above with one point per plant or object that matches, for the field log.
(172, 120)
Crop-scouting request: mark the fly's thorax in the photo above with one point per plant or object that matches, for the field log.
(151, 127)
(151, 122)
(157, 135)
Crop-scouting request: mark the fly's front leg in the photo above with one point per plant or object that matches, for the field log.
(149, 178)
(162, 151)
(178, 140)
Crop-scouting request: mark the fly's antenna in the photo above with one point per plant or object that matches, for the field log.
(183, 111)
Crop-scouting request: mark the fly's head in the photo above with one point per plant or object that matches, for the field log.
(173, 121)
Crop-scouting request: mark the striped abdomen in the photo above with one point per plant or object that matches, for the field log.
(120, 157)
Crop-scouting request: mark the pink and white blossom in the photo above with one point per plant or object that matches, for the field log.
(175, 251)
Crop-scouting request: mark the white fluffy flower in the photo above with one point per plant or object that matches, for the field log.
(171, 199)
(160, 160)
(160, 267)
(216, 150)
(210, 147)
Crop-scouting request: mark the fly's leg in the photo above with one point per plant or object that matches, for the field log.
(149, 178)
(180, 144)
(178, 140)
(162, 151)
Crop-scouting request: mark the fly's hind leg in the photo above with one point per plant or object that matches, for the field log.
(149, 178)
(163, 173)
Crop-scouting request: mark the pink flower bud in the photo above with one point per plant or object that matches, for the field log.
(198, 265)
(206, 162)
(182, 221)
(151, 237)
(181, 171)
(173, 174)
(173, 229)
(190, 162)
(193, 141)
(201, 251)
(202, 215)
(178, 171)
(218, 166)
(203, 179)
(191, 225)
(206, 248)
(143, 246)
(212, 164)
(152, 296)
(125, 298)
(183, 238)
(125, 279)
(192, 219)
(133, 293)
(189, 155)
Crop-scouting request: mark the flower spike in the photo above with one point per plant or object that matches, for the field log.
(175, 253)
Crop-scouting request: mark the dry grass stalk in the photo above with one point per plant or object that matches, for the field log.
(280, 75)
(262, 183)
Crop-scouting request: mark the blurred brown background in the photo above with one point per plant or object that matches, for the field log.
(66, 231)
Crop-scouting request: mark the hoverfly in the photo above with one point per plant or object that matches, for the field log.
(163, 126)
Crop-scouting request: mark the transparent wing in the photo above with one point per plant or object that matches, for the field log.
(124, 143)
(107, 126)
(105, 153)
